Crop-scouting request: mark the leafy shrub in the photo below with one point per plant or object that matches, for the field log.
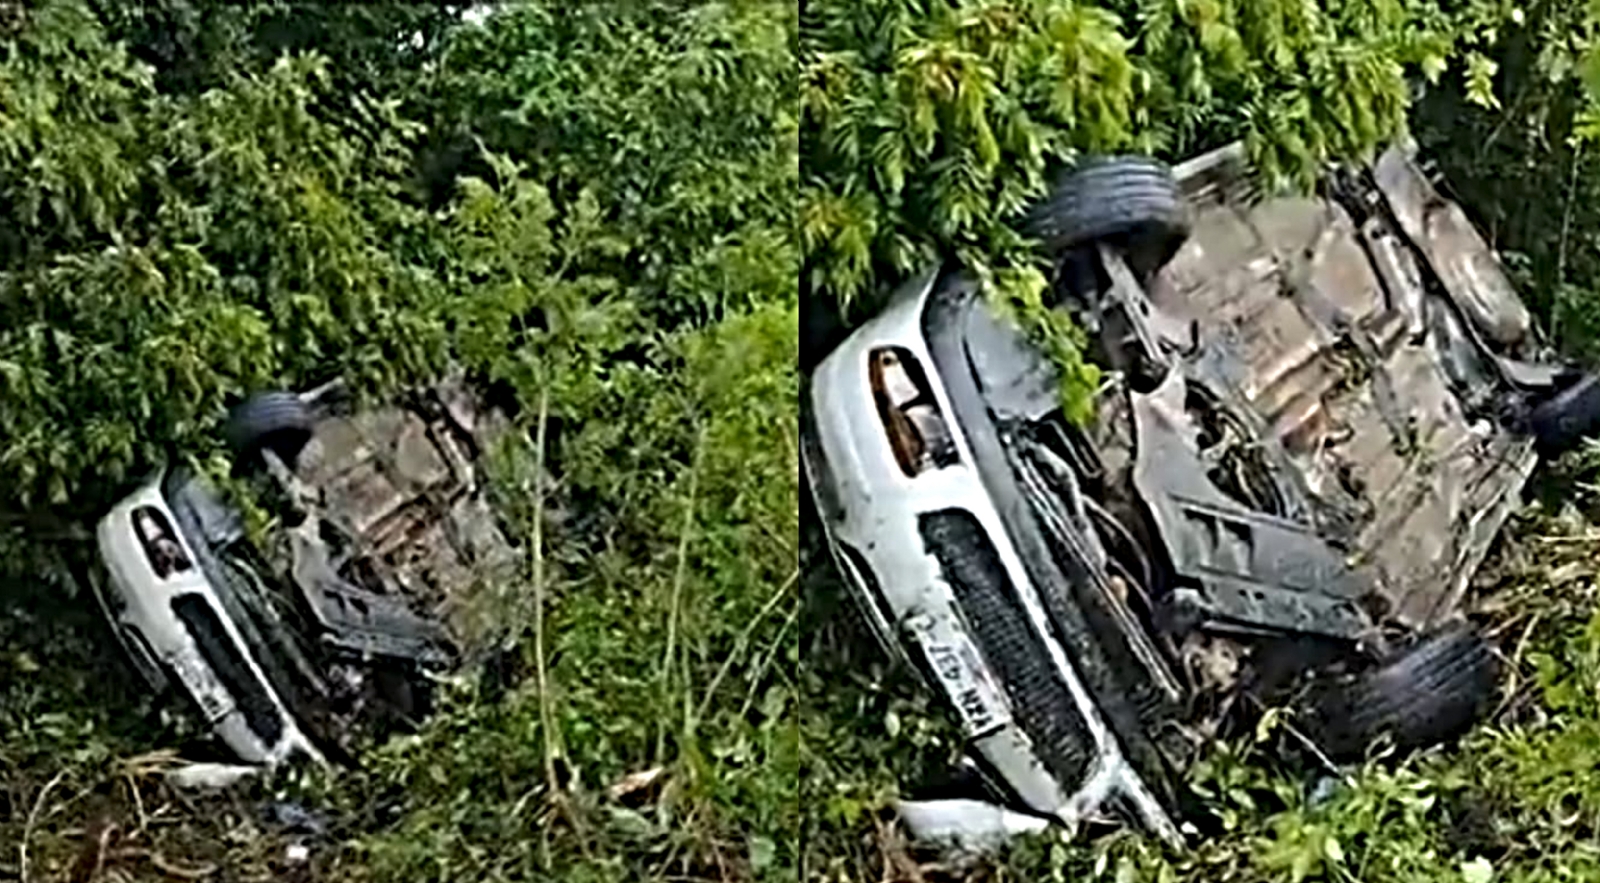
(612, 244)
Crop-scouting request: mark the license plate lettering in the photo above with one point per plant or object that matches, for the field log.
(947, 662)
(959, 668)
(972, 708)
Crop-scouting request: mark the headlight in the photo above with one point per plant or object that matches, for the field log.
(911, 418)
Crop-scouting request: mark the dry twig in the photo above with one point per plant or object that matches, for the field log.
(33, 818)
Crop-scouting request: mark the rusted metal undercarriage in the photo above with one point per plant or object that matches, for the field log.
(398, 529)
(392, 545)
(1314, 421)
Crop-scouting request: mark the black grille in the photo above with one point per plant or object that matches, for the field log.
(1041, 703)
(227, 660)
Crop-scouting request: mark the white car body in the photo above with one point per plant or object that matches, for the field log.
(338, 625)
(876, 514)
(141, 607)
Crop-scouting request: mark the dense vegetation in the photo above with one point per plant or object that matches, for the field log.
(931, 125)
(614, 212)
(586, 208)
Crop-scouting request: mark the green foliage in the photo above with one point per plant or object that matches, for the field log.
(165, 253)
(524, 319)
(627, 265)
(273, 225)
(612, 243)
(678, 118)
(192, 45)
(931, 126)
(670, 648)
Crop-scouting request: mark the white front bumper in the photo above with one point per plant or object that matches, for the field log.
(875, 510)
(147, 602)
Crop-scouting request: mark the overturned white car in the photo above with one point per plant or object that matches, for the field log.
(351, 610)
(1319, 412)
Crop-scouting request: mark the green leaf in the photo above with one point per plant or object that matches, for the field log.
(1480, 72)
(762, 854)
(1434, 66)
(1332, 850)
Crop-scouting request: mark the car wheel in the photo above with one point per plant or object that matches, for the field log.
(1130, 202)
(1427, 693)
(1566, 419)
(275, 421)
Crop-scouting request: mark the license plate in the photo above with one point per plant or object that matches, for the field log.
(203, 685)
(961, 672)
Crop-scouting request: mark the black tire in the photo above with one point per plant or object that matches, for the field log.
(276, 421)
(1428, 693)
(1130, 202)
(1562, 423)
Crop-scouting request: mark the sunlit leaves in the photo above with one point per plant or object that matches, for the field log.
(171, 252)
(66, 168)
(611, 231)
(1480, 73)
(1433, 67)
